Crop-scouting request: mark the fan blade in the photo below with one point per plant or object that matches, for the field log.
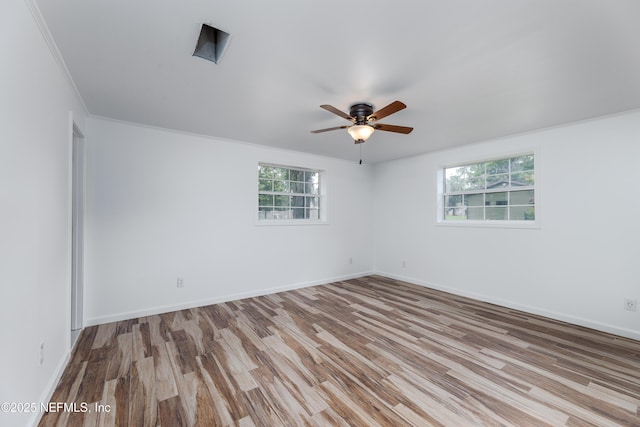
(393, 128)
(394, 107)
(328, 129)
(337, 112)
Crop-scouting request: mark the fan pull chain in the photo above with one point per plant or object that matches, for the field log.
(360, 153)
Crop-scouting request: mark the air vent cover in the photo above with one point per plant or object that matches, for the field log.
(212, 43)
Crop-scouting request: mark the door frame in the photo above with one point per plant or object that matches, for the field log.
(78, 192)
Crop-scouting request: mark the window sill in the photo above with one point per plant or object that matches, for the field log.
(287, 222)
(528, 225)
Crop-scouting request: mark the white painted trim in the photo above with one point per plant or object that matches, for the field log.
(53, 48)
(232, 297)
(77, 273)
(71, 130)
(579, 321)
(322, 195)
(525, 225)
(217, 139)
(518, 134)
(52, 384)
(50, 388)
(536, 224)
(284, 222)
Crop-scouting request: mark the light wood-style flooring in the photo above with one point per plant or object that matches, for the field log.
(363, 352)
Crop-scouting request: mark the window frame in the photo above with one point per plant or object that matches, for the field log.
(491, 223)
(321, 195)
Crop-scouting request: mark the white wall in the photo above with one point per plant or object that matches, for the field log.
(162, 205)
(35, 168)
(578, 266)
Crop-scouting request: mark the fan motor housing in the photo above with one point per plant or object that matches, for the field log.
(360, 112)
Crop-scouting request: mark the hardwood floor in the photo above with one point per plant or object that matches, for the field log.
(363, 352)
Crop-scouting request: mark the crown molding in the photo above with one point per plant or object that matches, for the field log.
(53, 48)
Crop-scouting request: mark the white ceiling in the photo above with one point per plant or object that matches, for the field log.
(468, 70)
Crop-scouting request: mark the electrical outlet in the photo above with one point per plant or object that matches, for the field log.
(41, 353)
(404, 264)
(350, 260)
(630, 304)
(180, 282)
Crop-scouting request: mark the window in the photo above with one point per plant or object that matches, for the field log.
(286, 193)
(497, 190)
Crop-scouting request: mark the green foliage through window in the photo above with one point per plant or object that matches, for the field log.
(502, 189)
(288, 193)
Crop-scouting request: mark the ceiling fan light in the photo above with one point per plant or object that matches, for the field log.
(360, 132)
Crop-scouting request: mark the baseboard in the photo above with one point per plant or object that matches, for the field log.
(231, 297)
(50, 388)
(579, 321)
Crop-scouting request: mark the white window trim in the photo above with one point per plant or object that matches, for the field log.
(323, 212)
(536, 224)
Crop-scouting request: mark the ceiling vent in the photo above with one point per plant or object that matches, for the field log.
(212, 43)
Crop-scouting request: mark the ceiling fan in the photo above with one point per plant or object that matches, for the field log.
(364, 120)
